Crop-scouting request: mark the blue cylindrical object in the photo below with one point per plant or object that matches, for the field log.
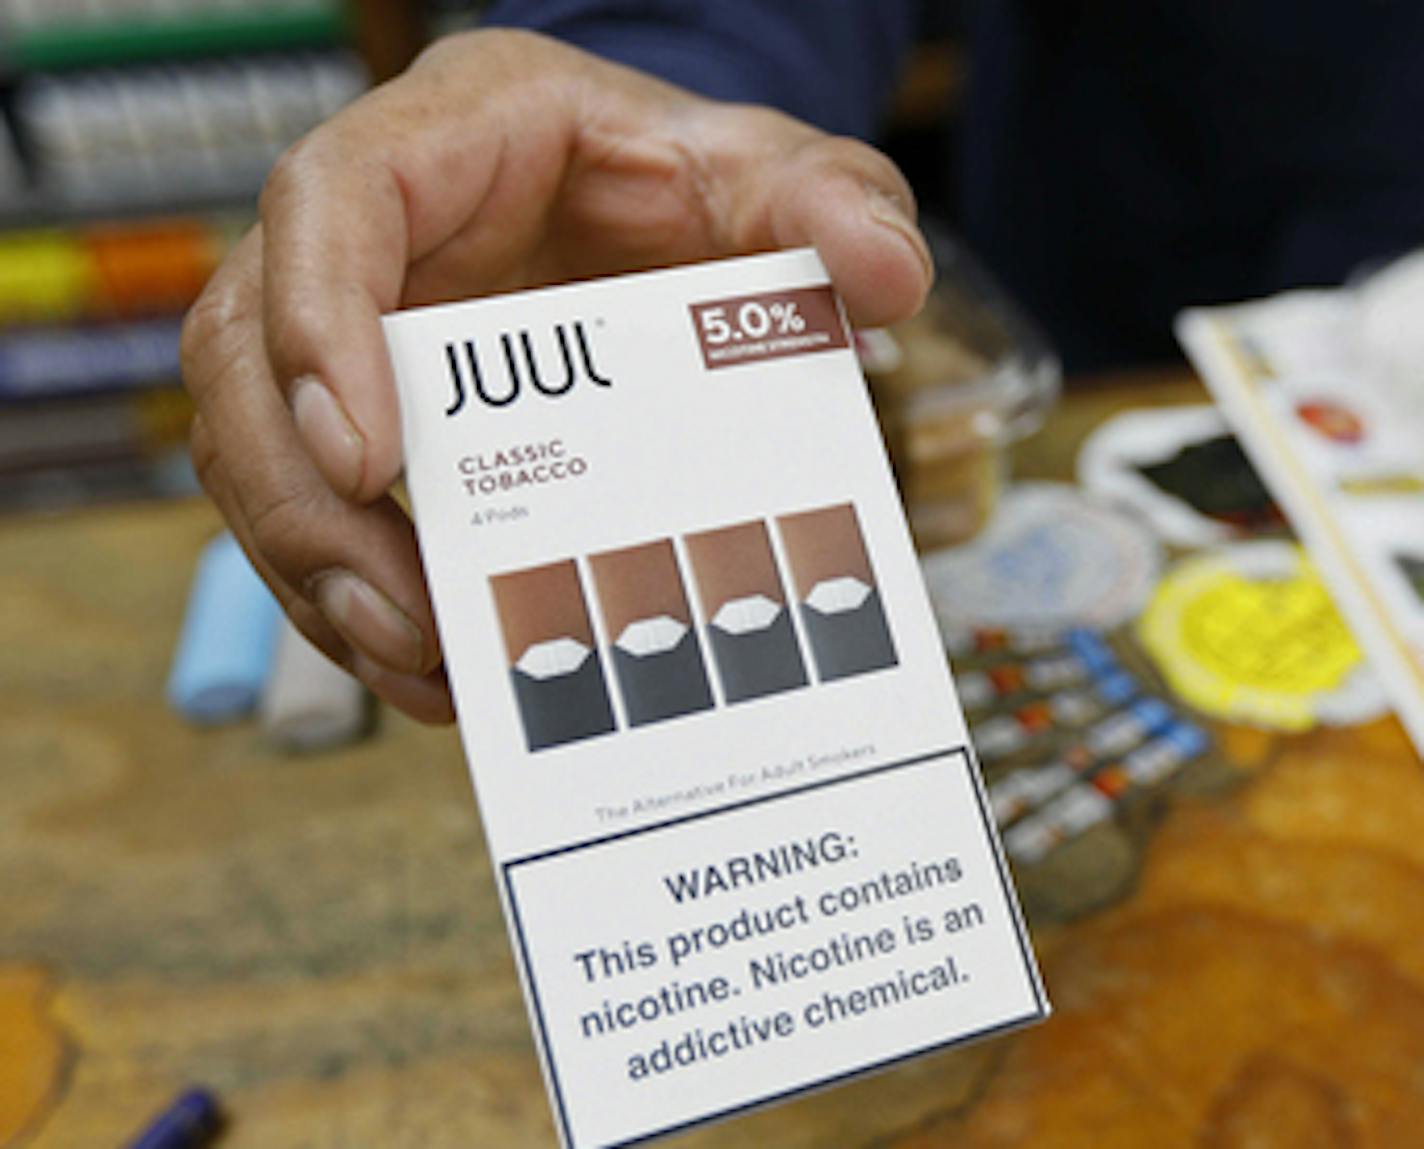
(1154, 714)
(191, 1122)
(229, 633)
(1117, 688)
(1092, 651)
(1191, 741)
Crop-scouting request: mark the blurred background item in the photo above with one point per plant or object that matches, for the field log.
(1175, 722)
(955, 388)
(134, 138)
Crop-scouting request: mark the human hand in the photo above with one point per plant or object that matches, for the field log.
(500, 160)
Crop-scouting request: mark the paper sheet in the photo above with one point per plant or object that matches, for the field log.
(1344, 459)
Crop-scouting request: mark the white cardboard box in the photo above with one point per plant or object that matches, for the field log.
(743, 847)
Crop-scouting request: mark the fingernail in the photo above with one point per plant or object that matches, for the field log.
(330, 436)
(425, 698)
(890, 211)
(368, 620)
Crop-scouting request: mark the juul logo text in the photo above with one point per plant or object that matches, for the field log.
(522, 366)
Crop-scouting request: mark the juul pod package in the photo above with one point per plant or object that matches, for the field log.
(740, 837)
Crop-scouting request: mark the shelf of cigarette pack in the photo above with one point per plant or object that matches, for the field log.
(64, 44)
(153, 139)
(39, 212)
(95, 359)
(110, 271)
(73, 450)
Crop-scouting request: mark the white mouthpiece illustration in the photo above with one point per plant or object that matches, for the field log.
(551, 659)
(744, 615)
(651, 635)
(837, 595)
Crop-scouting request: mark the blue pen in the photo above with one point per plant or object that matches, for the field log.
(191, 1122)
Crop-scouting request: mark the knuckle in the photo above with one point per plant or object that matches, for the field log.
(281, 522)
(831, 160)
(445, 50)
(209, 353)
(842, 151)
(214, 313)
(519, 44)
(873, 164)
(289, 175)
(203, 452)
(501, 41)
(500, 59)
(200, 325)
(770, 132)
(295, 335)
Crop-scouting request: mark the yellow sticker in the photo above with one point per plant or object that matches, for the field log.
(1250, 634)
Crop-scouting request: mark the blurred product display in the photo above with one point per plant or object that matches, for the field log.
(85, 360)
(134, 138)
(98, 447)
(69, 33)
(10, 170)
(159, 136)
(108, 271)
(968, 377)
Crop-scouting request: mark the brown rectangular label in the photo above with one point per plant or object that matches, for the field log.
(770, 325)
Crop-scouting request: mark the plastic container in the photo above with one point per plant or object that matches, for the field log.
(955, 388)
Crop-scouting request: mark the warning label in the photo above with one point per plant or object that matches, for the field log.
(767, 948)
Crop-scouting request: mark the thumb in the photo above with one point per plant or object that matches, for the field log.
(839, 195)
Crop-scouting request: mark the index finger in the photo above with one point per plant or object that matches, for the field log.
(344, 215)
